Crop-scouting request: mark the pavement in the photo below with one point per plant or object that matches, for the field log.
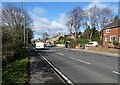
(40, 71)
(84, 67)
(103, 53)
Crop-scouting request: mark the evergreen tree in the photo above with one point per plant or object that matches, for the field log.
(116, 18)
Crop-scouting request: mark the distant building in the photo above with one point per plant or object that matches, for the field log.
(54, 38)
(111, 33)
(71, 37)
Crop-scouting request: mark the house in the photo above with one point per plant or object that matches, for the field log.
(71, 37)
(111, 33)
(54, 38)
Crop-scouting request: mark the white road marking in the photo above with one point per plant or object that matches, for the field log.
(60, 54)
(116, 72)
(60, 73)
(80, 60)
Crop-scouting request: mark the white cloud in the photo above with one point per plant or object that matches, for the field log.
(56, 25)
(42, 24)
(100, 5)
(39, 11)
(62, 18)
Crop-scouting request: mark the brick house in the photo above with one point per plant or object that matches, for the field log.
(111, 33)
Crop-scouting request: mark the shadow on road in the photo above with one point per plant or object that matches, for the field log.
(45, 51)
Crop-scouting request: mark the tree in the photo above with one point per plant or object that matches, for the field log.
(15, 21)
(30, 35)
(45, 36)
(75, 19)
(87, 33)
(93, 19)
(69, 23)
(104, 16)
(116, 18)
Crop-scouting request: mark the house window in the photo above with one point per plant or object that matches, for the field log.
(105, 39)
(112, 38)
(107, 30)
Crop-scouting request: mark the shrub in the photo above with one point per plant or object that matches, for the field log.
(82, 42)
(115, 43)
(100, 42)
(73, 43)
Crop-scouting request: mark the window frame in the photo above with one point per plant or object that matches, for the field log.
(107, 30)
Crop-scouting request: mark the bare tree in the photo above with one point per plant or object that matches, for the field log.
(69, 23)
(45, 36)
(104, 16)
(13, 27)
(93, 19)
(14, 16)
(75, 19)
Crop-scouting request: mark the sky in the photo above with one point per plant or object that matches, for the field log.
(50, 16)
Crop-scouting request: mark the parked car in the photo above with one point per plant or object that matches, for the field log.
(50, 45)
(39, 45)
(92, 43)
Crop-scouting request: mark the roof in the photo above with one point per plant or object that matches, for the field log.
(114, 24)
(57, 35)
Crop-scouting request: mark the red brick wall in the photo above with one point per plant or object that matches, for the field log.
(113, 31)
(103, 49)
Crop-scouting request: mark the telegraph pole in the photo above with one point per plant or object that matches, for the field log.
(24, 20)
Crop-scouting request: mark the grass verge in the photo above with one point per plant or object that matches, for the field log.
(17, 71)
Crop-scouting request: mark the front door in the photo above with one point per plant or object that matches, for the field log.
(112, 38)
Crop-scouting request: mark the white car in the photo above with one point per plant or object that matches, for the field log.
(92, 43)
(39, 45)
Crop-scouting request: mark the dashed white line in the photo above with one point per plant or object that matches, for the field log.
(60, 54)
(80, 60)
(116, 72)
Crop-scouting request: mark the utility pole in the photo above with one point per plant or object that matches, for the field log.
(24, 20)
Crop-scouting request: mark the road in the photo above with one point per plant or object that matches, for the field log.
(83, 67)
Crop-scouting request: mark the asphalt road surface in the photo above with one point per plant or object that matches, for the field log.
(83, 67)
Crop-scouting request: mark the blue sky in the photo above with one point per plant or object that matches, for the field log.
(50, 16)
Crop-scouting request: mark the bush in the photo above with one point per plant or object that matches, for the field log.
(16, 71)
(115, 43)
(82, 42)
(100, 42)
(73, 43)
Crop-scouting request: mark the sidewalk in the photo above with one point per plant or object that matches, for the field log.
(40, 71)
(103, 53)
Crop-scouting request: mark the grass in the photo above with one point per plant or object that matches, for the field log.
(17, 71)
